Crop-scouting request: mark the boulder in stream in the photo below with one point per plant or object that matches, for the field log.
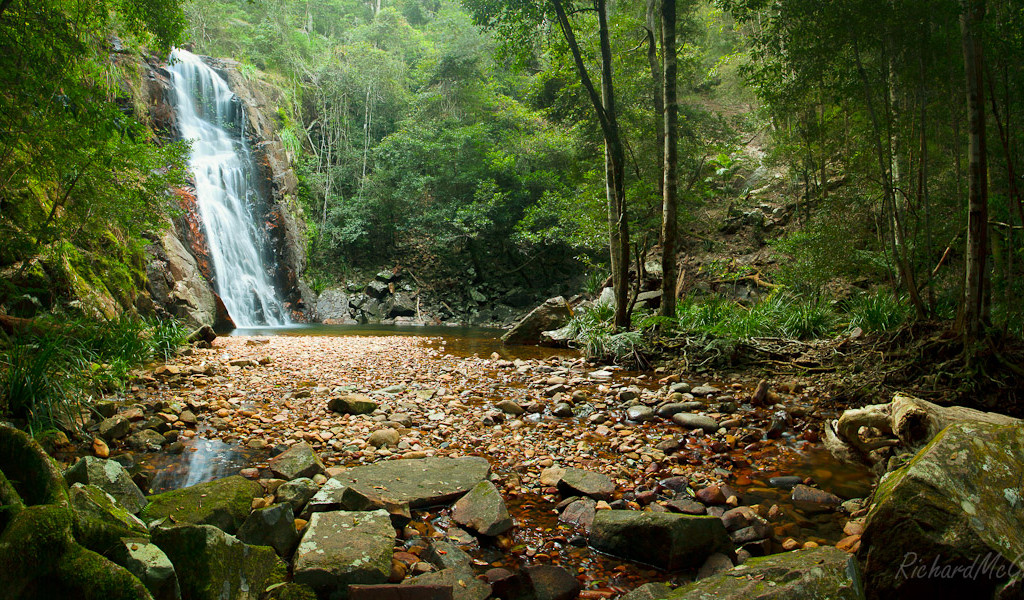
(670, 541)
(109, 476)
(483, 510)
(418, 482)
(798, 575)
(948, 524)
(300, 460)
(223, 503)
(212, 565)
(340, 548)
(100, 522)
(552, 314)
(150, 564)
(273, 526)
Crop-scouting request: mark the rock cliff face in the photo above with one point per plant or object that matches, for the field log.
(179, 270)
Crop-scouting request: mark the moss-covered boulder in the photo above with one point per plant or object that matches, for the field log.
(669, 541)
(949, 523)
(223, 503)
(812, 574)
(39, 559)
(100, 522)
(30, 470)
(110, 477)
(150, 564)
(84, 574)
(212, 564)
(483, 510)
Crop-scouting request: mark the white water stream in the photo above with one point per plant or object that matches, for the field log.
(222, 166)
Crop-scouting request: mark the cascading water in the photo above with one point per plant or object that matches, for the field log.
(223, 166)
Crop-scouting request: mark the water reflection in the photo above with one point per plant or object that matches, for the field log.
(202, 460)
(457, 341)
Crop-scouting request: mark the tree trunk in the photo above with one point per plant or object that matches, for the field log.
(670, 166)
(972, 313)
(618, 222)
(653, 28)
(604, 107)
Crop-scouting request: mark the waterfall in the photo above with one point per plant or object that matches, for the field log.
(211, 117)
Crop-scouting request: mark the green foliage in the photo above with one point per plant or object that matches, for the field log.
(46, 376)
(781, 314)
(38, 380)
(591, 329)
(877, 311)
(80, 174)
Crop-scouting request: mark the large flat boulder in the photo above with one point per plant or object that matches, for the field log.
(418, 482)
(669, 541)
(811, 574)
(212, 565)
(223, 503)
(552, 314)
(340, 548)
(955, 508)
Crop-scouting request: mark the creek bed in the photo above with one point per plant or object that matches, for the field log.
(474, 370)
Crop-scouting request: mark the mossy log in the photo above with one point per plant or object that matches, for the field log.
(906, 422)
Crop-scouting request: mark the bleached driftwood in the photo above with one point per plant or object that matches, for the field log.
(906, 421)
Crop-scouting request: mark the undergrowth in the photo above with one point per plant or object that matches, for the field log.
(782, 314)
(48, 375)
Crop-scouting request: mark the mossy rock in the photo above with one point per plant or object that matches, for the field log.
(223, 503)
(40, 560)
(35, 540)
(10, 501)
(948, 523)
(89, 576)
(812, 574)
(30, 470)
(100, 522)
(212, 564)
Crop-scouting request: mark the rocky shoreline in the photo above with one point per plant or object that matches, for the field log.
(399, 470)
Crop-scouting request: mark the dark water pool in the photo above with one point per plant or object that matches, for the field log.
(457, 341)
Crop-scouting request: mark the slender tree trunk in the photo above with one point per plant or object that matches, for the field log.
(652, 29)
(671, 162)
(604, 107)
(972, 313)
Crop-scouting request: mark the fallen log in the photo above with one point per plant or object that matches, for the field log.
(907, 421)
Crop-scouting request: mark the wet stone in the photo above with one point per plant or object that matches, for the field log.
(785, 482)
(580, 512)
(639, 414)
(810, 499)
(211, 564)
(691, 421)
(686, 506)
(672, 541)
(114, 428)
(297, 461)
(562, 409)
(150, 564)
(146, 440)
(418, 482)
(341, 548)
(586, 483)
(716, 563)
(483, 510)
(510, 407)
(110, 477)
(352, 404)
(550, 582)
(297, 493)
(273, 526)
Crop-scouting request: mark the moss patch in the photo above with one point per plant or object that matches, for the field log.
(224, 503)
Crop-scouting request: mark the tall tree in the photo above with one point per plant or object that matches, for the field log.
(972, 316)
(671, 160)
(529, 15)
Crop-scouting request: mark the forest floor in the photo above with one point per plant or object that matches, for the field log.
(452, 397)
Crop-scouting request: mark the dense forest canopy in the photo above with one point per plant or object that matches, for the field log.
(469, 139)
